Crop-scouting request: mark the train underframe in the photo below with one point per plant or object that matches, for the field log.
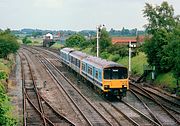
(116, 92)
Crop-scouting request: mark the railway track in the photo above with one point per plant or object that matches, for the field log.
(31, 107)
(153, 107)
(164, 94)
(125, 117)
(157, 107)
(36, 110)
(144, 107)
(136, 117)
(169, 102)
(88, 111)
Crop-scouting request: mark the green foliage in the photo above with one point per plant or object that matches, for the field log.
(86, 44)
(114, 58)
(25, 40)
(3, 75)
(122, 50)
(167, 81)
(28, 41)
(137, 63)
(5, 120)
(75, 40)
(173, 52)
(104, 55)
(163, 49)
(35, 42)
(8, 44)
(162, 23)
(155, 50)
(105, 40)
(160, 17)
(35, 34)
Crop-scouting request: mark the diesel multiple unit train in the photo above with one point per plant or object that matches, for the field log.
(108, 77)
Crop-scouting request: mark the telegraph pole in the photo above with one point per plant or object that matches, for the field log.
(129, 58)
(97, 36)
(130, 51)
(98, 28)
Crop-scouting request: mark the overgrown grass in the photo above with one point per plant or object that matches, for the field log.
(4, 67)
(137, 63)
(35, 41)
(57, 46)
(166, 80)
(6, 115)
(88, 51)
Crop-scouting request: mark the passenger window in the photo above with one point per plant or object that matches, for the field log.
(83, 67)
(89, 70)
(71, 59)
(96, 74)
(78, 63)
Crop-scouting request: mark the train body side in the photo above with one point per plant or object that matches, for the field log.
(64, 55)
(102, 75)
(76, 59)
(109, 77)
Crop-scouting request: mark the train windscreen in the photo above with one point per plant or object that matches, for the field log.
(115, 73)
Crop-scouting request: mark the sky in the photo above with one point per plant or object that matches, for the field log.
(75, 14)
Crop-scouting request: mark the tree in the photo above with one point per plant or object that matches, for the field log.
(36, 34)
(105, 40)
(75, 40)
(173, 52)
(8, 44)
(121, 50)
(160, 17)
(161, 24)
(24, 39)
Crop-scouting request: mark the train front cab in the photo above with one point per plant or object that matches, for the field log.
(115, 81)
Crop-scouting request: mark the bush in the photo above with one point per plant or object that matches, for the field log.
(28, 42)
(35, 42)
(75, 40)
(3, 75)
(5, 119)
(25, 40)
(122, 50)
(8, 44)
(114, 58)
(104, 55)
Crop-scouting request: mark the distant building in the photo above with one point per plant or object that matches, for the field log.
(48, 36)
(125, 40)
(57, 37)
(48, 40)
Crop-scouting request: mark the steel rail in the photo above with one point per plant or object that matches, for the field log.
(35, 88)
(149, 110)
(153, 99)
(24, 102)
(29, 100)
(60, 115)
(75, 89)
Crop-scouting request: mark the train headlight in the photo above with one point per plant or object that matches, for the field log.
(106, 87)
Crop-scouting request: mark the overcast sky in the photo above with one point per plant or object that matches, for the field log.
(75, 14)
